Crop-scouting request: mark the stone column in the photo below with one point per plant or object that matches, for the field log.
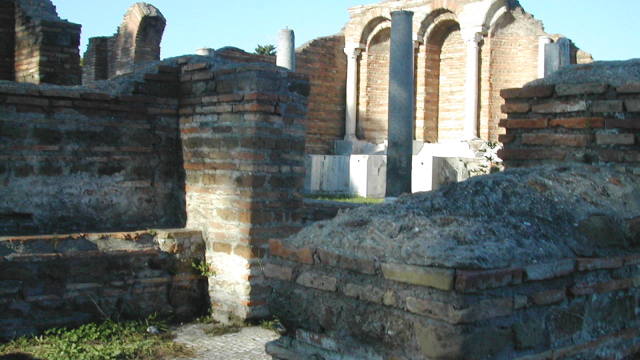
(353, 53)
(286, 55)
(471, 84)
(401, 104)
(542, 46)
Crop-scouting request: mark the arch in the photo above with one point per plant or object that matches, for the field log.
(497, 9)
(138, 38)
(443, 82)
(372, 27)
(432, 19)
(376, 85)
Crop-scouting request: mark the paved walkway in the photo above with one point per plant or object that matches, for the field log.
(248, 344)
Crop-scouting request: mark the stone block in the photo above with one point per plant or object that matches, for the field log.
(571, 140)
(549, 270)
(442, 279)
(539, 123)
(358, 265)
(317, 281)
(632, 105)
(367, 293)
(273, 271)
(580, 89)
(560, 106)
(543, 91)
(615, 139)
(607, 106)
(516, 107)
(442, 342)
(469, 281)
(549, 297)
(530, 333)
(577, 123)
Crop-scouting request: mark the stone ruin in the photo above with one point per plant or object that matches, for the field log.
(212, 149)
(37, 46)
(136, 43)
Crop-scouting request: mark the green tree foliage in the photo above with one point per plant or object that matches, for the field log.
(268, 49)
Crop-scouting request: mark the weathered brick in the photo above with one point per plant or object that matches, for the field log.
(317, 281)
(368, 293)
(605, 106)
(546, 271)
(222, 247)
(585, 264)
(615, 139)
(516, 107)
(630, 88)
(560, 106)
(580, 89)
(577, 123)
(248, 252)
(556, 139)
(532, 154)
(442, 279)
(539, 123)
(303, 255)
(628, 123)
(632, 105)
(468, 281)
(528, 92)
(549, 297)
(353, 264)
(278, 272)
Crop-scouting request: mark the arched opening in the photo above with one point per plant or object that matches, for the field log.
(375, 125)
(445, 58)
(7, 40)
(148, 38)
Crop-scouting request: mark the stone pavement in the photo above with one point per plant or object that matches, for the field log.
(248, 344)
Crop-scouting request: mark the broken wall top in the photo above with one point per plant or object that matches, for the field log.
(614, 73)
(38, 9)
(519, 217)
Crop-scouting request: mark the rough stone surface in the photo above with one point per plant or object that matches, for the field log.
(248, 344)
(615, 73)
(538, 211)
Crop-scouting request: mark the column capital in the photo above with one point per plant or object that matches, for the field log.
(353, 51)
(472, 37)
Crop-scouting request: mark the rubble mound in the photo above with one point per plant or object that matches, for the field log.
(518, 217)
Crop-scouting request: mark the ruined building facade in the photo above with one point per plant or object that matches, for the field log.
(463, 50)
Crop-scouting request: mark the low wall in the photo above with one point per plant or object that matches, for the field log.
(595, 122)
(78, 160)
(528, 264)
(68, 280)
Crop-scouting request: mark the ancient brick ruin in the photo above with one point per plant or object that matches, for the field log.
(537, 263)
(136, 43)
(36, 45)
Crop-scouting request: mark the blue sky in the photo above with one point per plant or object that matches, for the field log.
(610, 30)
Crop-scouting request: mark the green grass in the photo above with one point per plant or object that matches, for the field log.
(105, 341)
(345, 198)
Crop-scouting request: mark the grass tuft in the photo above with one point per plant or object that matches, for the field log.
(105, 341)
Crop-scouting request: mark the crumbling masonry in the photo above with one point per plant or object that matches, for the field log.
(537, 263)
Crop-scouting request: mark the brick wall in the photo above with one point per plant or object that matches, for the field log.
(514, 61)
(46, 50)
(69, 280)
(452, 78)
(590, 123)
(75, 160)
(374, 124)
(7, 40)
(96, 60)
(323, 60)
(243, 145)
